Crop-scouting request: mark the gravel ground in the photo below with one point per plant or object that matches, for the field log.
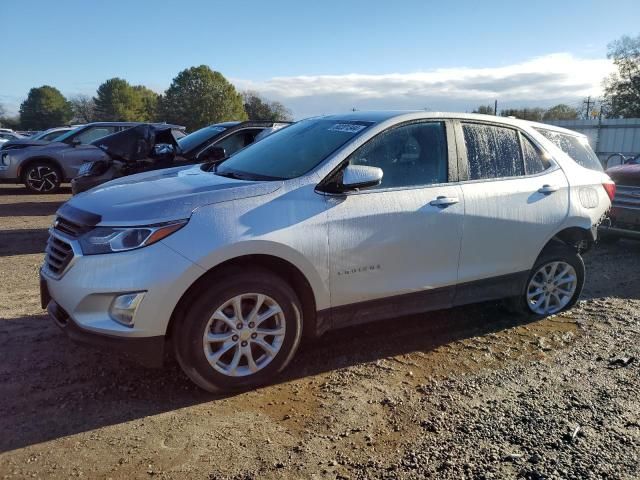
(468, 393)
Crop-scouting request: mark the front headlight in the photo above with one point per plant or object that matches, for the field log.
(120, 239)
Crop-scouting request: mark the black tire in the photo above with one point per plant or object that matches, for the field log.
(555, 253)
(42, 177)
(189, 330)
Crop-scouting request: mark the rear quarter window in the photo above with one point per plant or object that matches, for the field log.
(577, 147)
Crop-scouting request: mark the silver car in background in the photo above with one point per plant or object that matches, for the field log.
(43, 167)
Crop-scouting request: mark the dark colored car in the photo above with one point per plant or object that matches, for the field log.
(624, 218)
(210, 144)
(137, 149)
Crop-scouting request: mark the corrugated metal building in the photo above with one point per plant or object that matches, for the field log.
(608, 136)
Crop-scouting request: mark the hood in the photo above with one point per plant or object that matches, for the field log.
(22, 143)
(625, 174)
(137, 143)
(163, 195)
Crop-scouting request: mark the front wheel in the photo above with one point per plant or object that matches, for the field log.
(42, 177)
(554, 284)
(239, 333)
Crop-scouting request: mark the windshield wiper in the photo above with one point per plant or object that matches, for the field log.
(250, 177)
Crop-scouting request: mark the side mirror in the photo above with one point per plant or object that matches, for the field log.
(360, 176)
(214, 154)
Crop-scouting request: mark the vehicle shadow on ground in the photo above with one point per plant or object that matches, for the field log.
(15, 191)
(52, 388)
(29, 209)
(23, 242)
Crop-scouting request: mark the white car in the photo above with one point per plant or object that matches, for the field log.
(7, 136)
(332, 221)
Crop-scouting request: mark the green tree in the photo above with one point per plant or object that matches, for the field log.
(147, 103)
(560, 112)
(535, 114)
(117, 101)
(484, 109)
(199, 96)
(622, 88)
(45, 107)
(259, 108)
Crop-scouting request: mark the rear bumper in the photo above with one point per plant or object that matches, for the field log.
(148, 351)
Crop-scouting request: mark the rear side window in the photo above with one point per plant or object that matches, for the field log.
(576, 147)
(534, 160)
(492, 152)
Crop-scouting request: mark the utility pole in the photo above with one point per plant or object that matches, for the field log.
(495, 108)
(588, 102)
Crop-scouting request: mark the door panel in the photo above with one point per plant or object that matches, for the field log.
(507, 222)
(512, 204)
(394, 242)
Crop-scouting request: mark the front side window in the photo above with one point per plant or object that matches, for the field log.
(95, 133)
(492, 152)
(293, 151)
(577, 147)
(409, 155)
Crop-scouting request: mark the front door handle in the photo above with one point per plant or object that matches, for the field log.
(547, 189)
(443, 201)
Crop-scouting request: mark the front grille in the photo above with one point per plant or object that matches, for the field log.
(59, 252)
(627, 197)
(58, 255)
(69, 228)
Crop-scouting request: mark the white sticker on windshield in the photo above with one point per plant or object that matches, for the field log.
(346, 127)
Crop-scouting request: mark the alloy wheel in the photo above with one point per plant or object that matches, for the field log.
(244, 334)
(43, 178)
(551, 288)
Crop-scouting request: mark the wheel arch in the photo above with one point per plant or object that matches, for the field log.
(40, 158)
(578, 237)
(276, 265)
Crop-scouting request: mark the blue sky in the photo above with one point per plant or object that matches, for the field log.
(323, 56)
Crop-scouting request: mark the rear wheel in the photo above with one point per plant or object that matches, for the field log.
(239, 334)
(554, 284)
(42, 177)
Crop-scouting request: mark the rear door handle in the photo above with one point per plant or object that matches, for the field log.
(443, 201)
(547, 189)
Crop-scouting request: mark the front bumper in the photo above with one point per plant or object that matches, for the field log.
(81, 297)
(148, 351)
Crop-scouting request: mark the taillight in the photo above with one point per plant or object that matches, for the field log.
(610, 187)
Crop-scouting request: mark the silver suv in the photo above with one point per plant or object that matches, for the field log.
(333, 221)
(42, 168)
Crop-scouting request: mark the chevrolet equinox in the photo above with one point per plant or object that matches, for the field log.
(333, 221)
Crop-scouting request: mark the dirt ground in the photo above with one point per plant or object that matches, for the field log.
(468, 393)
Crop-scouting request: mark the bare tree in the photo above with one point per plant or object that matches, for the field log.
(84, 108)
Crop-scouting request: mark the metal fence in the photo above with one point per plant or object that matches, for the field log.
(607, 136)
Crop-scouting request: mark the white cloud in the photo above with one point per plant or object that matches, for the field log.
(539, 81)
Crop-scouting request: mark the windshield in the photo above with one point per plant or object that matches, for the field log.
(199, 137)
(292, 151)
(576, 147)
(64, 136)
